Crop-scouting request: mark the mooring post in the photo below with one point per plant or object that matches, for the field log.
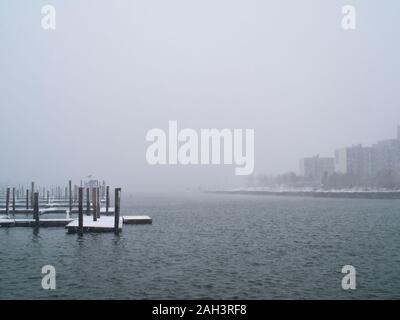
(70, 195)
(36, 208)
(94, 204)
(7, 200)
(80, 218)
(13, 200)
(98, 205)
(116, 210)
(27, 200)
(107, 199)
(87, 201)
(32, 191)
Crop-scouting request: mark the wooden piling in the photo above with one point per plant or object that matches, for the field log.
(107, 199)
(70, 195)
(80, 208)
(32, 191)
(98, 204)
(88, 201)
(36, 208)
(7, 201)
(27, 199)
(94, 202)
(13, 201)
(117, 209)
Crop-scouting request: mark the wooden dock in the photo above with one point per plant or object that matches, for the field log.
(83, 202)
(103, 224)
(52, 210)
(6, 223)
(137, 220)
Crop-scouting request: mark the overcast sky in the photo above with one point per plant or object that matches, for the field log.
(79, 100)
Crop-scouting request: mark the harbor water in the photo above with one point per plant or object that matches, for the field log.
(208, 246)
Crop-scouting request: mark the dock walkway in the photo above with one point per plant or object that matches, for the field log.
(31, 222)
(103, 224)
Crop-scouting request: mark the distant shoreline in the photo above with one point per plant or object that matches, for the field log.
(316, 194)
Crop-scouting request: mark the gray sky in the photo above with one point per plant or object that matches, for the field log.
(79, 100)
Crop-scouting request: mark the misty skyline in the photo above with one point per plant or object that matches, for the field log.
(79, 100)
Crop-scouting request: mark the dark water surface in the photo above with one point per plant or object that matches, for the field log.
(215, 246)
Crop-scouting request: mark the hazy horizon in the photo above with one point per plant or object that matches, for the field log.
(79, 100)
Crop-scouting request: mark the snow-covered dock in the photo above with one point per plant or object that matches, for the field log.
(103, 224)
(137, 220)
(82, 208)
(31, 222)
(102, 211)
(30, 211)
(53, 210)
(7, 223)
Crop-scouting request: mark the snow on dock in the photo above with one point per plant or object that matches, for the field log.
(103, 224)
(102, 210)
(52, 210)
(31, 222)
(137, 220)
(86, 202)
(6, 222)
(30, 211)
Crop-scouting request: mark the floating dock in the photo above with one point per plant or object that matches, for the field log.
(85, 203)
(53, 210)
(137, 220)
(32, 223)
(103, 224)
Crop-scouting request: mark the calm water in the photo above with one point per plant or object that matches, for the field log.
(215, 246)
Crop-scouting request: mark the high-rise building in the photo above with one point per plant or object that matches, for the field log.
(356, 160)
(387, 159)
(376, 165)
(315, 168)
(341, 161)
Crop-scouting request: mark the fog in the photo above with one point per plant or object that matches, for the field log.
(80, 99)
